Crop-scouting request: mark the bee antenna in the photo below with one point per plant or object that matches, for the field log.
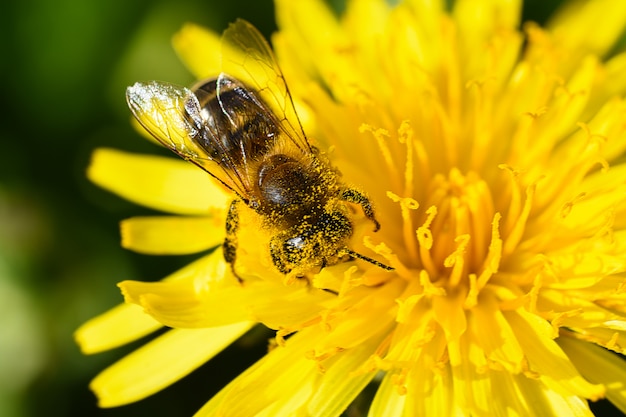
(357, 255)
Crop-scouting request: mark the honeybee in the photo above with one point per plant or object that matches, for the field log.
(246, 134)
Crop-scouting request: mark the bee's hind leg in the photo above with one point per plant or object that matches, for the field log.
(353, 196)
(229, 247)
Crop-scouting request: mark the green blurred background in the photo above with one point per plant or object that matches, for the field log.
(65, 68)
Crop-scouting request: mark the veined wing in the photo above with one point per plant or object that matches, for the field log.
(247, 57)
(172, 114)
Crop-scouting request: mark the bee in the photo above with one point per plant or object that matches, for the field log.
(246, 134)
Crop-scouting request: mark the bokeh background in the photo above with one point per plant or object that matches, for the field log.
(64, 68)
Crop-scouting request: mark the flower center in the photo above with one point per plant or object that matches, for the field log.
(455, 228)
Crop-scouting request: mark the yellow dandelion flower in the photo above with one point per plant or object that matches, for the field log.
(493, 155)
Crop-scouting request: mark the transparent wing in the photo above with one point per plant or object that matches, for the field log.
(247, 57)
(172, 115)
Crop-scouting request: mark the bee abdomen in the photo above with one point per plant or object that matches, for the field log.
(237, 125)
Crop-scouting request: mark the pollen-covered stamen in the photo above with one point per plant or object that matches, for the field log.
(382, 136)
(407, 205)
(459, 231)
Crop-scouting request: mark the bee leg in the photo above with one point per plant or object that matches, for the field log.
(353, 196)
(229, 247)
(277, 257)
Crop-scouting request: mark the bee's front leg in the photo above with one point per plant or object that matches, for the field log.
(229, 247)
(353, 196)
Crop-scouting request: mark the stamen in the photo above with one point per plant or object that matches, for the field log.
(425, 239)
(416, 148)
(516, 233)
(456, 260)
(471, 300)
(381, 135)
(406, 204)
(429, 289)
(482, 118)
(405, 136)
(494, 255)
(567, 207)
(514, 203)
(348, 281)
(392, 259)
(405, 307)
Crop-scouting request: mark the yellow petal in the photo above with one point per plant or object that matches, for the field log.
(194, 304)
(499, 343)
(388, 401)
(172, 235)
(546, 358)
(143, 373)
(606, 127)
(545, 402)
(432, 393)
(302, 20)
(116, 327)
(486, 17)
(276, 385)
(177, 305)
(612, 82)
(577, 25)
(305, 48)
(506, 396)
(128, 322)
(450, 314)
(199, 49)
(370, 312)
(161, 183)
(599, 366)
(340, 383)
